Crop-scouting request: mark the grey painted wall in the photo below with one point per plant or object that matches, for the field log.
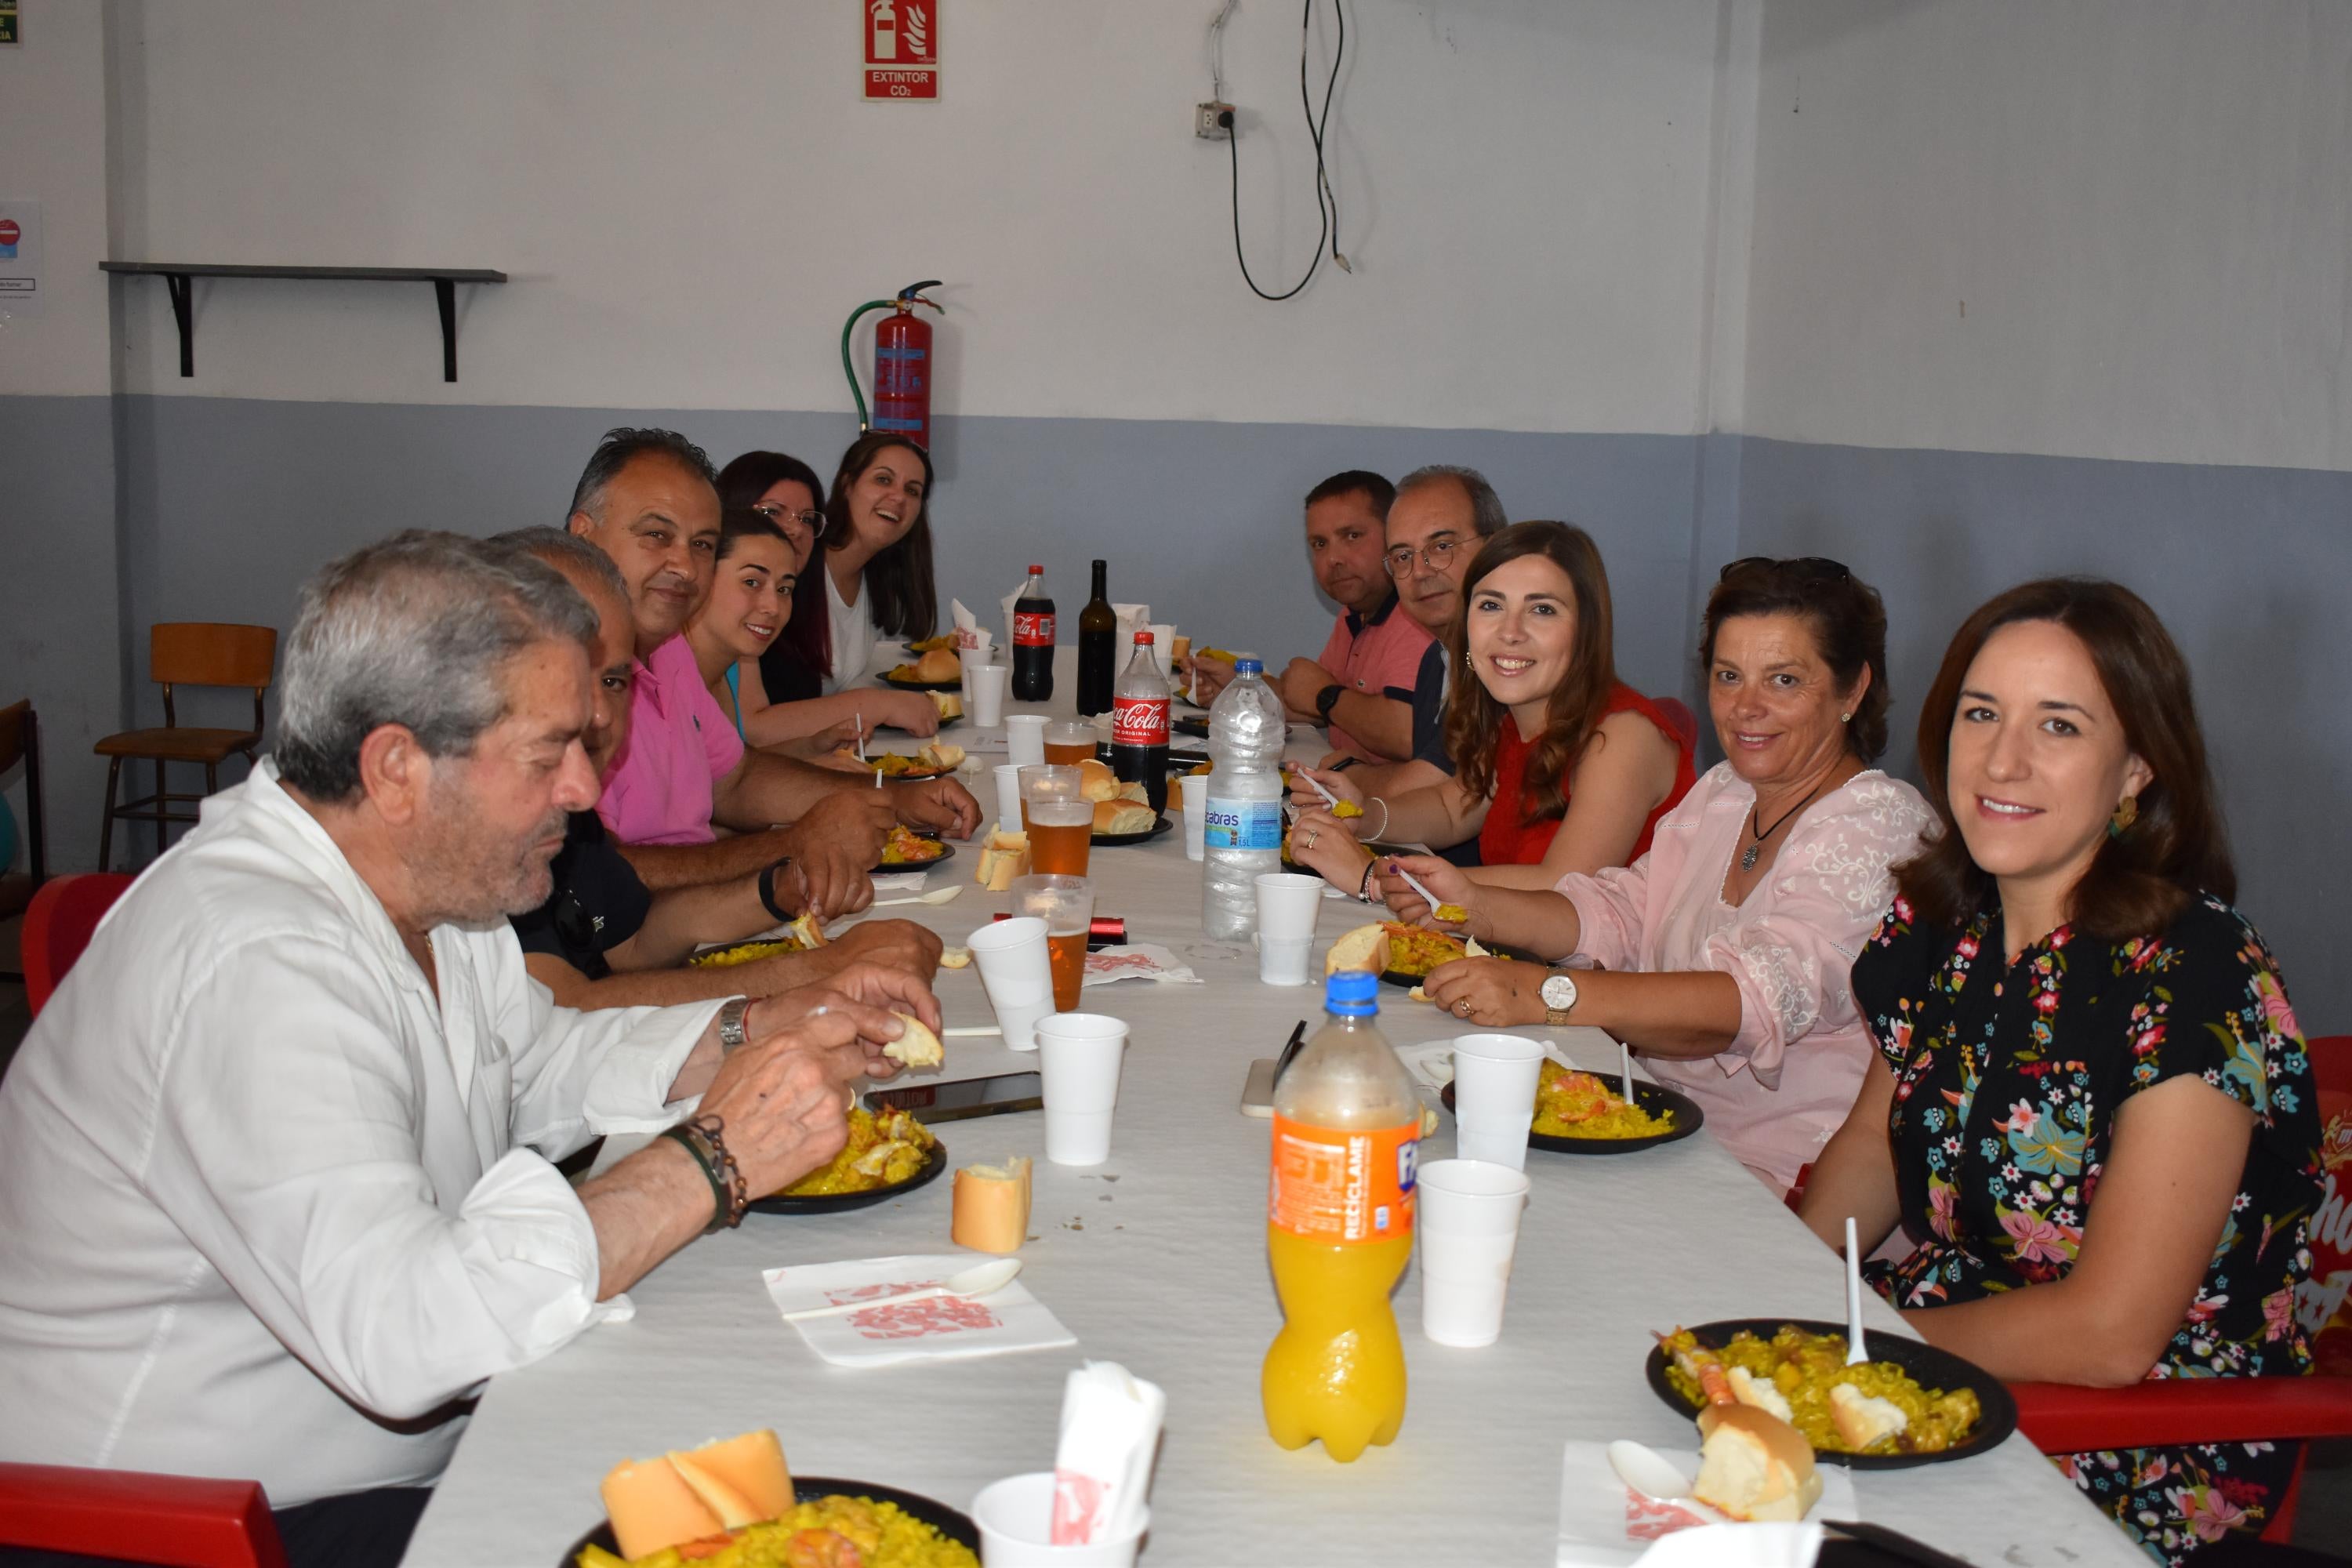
(2248, 567)
(59, 625)
(231, 503)
(225, 506)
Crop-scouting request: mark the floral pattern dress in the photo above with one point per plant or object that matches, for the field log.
(2007, 1084)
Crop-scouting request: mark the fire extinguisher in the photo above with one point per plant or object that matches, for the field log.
(902, 366)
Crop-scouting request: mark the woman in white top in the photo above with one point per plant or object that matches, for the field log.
(1723, 955)
(875, 557)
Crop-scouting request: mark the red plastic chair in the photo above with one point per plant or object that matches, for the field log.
(1679, 715)
(57, 926)
(179, 1521)
(2060, 1418)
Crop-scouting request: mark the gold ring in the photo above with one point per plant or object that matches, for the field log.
(1311, 837)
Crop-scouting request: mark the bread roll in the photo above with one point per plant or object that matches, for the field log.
(1123, 816)
(1096, 780)
(703, 1492)
(1862, 1420)
(942, 755)
(752, 1464)
(1005, 856)
(1759, 1392)
(1365, 948)
(807, 931)
(918, 1047)
(940, 664)
(992, 1206)
(1179, 648)
(1754, 1467)
(652, 1507)
(949, 703)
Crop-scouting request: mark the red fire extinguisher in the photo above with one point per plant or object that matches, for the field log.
(902, 366)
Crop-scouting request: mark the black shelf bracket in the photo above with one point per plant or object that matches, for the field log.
(179, 277)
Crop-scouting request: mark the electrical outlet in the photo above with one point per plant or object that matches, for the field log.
(1205, 121)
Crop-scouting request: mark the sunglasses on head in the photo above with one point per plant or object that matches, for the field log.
(1805, 568)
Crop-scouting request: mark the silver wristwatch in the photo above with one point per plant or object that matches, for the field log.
(1559, 993)
(731, 1021)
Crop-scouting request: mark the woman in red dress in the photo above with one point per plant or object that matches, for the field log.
(1559, 765)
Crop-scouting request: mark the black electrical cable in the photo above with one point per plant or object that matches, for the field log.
(1326, 203)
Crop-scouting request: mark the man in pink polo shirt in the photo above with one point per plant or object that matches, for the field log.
(648, 499)
(1362, 686)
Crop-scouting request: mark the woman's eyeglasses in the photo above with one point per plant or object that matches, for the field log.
(1806, 568)
(813, 521)
(1434, 555)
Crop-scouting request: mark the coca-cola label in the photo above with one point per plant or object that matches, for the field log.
(1139, 721)
(1033, 629)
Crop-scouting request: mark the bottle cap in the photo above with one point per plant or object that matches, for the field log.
(1142, 638)
(1249, 667)
(1351, 993)
(1036, 571)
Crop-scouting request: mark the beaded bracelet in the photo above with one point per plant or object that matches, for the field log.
(730, 1194)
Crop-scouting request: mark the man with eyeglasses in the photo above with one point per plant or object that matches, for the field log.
(1361, 686)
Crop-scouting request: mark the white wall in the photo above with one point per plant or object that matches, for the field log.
(2144, 206)
(690, 199)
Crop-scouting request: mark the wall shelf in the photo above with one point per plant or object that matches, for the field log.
(179, 278)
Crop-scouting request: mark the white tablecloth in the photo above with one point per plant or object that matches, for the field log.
(1157, 1260)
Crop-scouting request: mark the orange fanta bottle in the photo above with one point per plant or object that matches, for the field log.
(1347, 1130)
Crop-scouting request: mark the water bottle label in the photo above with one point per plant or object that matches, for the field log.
(1242, 825)
(1343, 1184)
(1139, 721)
(1033, 629)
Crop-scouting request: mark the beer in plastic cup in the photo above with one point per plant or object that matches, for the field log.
(1067, 905)
(1070, 741)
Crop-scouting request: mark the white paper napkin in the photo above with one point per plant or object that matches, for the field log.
(1605, 1524)
(1138, 961)
(969, 632)
(941, 1329)
(900, 881)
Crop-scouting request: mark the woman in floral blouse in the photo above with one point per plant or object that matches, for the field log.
(2091, 1109)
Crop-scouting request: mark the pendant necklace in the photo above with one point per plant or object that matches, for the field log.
(1748, 856)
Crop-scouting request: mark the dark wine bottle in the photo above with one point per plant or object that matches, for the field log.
(1098, 650)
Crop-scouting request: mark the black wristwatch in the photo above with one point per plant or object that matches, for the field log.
(768, 888)
(1326, 697)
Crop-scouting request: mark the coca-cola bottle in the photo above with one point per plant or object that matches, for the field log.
(1139, 725)
(1033, 641)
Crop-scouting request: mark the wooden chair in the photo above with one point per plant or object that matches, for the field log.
(179, 1521)
(186, 653)
(20, 740)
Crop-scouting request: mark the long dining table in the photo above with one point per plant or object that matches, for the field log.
(1157, 1260)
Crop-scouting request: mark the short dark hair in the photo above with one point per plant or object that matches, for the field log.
(1848, 621)
(1572, 714)
(740, 522)
(1488, 517)
(1355, 482)
(623, 444)
(2176, 848)
(752, 475)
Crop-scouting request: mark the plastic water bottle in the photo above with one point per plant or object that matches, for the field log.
(1243, 836)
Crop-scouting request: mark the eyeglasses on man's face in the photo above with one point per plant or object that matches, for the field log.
(810, 522)
(1437, 555)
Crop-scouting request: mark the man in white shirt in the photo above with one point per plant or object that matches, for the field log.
(276, 1195)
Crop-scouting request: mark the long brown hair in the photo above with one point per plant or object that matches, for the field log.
(807, 637)
(905, 601)
(1474, 720)
(2143, 877)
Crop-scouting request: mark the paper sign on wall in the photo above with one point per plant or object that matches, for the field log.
(8, 33)
(20, 258)
(902, 49)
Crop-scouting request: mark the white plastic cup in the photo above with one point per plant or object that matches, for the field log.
(1196, 816)
(1016, 975)
(1008, 797)
(1466, 1216)
(1025, 740)
(1494, 1095)
(1284, 961)
(1501, 1143)
(1016, 1529)
(1080, 1055)
(983, 691)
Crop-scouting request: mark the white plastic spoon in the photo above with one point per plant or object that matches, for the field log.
(1654, 1476)
(1855, 1354)
(980, 1280)
(1415, 882)
(936, 896)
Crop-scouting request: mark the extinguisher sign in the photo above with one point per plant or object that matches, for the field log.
(902, 49)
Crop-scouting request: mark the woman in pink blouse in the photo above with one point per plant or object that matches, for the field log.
(1723, 955)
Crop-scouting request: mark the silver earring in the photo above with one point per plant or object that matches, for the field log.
(1846, 718)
